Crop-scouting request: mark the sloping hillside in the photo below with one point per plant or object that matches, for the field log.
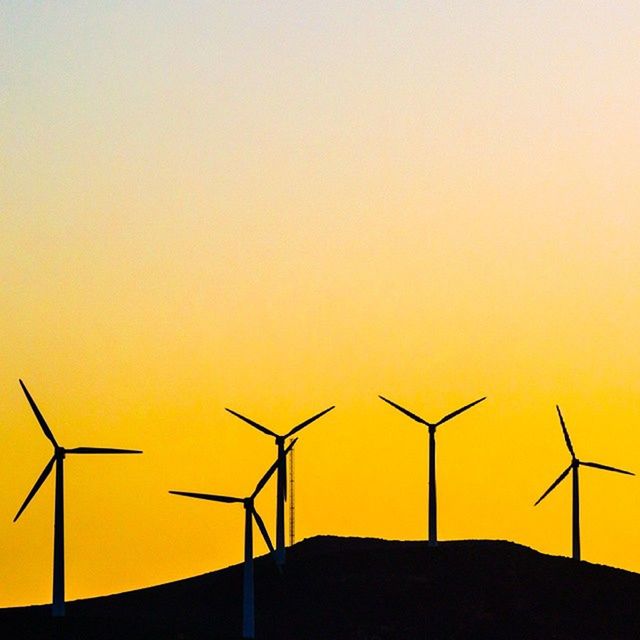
(366, 589)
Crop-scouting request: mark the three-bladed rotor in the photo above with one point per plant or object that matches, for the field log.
(575, 462)
(280, 439)
(269, 432)
(281, 492)
(59, 452)
(432, 425)
(248, 501)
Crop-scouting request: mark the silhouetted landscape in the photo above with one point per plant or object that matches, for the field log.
(368, 589)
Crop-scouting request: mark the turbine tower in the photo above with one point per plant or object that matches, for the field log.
(573, 467)
(432, 426)
(57, 459)
(281, 495)
(251, 514)
(292, 501)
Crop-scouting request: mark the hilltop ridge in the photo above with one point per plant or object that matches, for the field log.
(366, 589)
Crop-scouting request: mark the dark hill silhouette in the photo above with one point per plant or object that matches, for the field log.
(368, 589)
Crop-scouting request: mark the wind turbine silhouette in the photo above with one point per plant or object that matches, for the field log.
(251, 514)
(281, 494)
(432, 426)
(573, 467)
(57, 459)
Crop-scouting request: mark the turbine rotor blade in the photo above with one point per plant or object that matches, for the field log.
(41, 478)
(270, 471)
(597, 465)
(263, 529)
(253, 423)
(39, 416)
(453, 414)
(100, 450)
(307, 422)
(413, 416)
(567, 439)
(207, 496)
(556, 482)
(265, 478)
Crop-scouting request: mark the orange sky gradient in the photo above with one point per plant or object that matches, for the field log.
(277, 207)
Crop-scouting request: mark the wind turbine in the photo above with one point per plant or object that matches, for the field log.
(432, 426)
(250, 514)
(57, 459)
(281, 494)
(573, 467)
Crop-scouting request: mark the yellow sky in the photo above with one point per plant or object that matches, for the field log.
(278, 207)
